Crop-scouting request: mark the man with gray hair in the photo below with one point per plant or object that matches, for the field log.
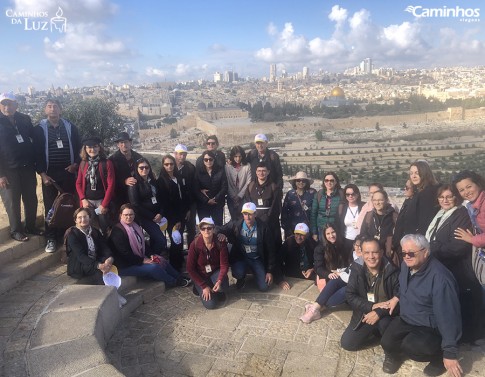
(429, 324)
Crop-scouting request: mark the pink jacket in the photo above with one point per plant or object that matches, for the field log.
(479, 239)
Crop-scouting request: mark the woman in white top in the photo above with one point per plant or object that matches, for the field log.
(348, 213)
(238, 173)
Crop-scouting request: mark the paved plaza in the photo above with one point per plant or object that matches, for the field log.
(253, 334)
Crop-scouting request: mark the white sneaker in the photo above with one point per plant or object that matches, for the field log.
(121, 300)
(51, 246)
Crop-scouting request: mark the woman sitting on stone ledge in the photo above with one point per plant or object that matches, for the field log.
(134, 257)
(88, 254)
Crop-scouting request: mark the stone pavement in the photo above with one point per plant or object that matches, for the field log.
(254, 334)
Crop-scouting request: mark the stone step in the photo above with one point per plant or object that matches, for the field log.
(11, 249)
(18, 270)
(5, 228)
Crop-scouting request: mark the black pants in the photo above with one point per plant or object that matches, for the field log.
(419, 343)
(22, 186)
(354, 338)
(67, 182)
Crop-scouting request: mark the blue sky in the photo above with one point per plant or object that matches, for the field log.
(137, 42)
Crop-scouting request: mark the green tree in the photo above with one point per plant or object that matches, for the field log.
(95, 117)
(319, 135)
(173, 133)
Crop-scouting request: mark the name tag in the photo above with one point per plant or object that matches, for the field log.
(20, 139)
(371, 297)
(260, 202)
(208, 268)
(354, 224)
(305, 208)
(248, 249)
(59, 144)
(154, 200)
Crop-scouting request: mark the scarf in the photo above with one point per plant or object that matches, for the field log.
(90, 241)
(91, 171)
(135, 237)
(438, 221)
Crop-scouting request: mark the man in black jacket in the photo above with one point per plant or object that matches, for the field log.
(124, 160)
(252, 248)
(17, 168)
(371, 293)
(272, 160)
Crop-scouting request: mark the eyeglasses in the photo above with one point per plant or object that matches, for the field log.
(411, 254)
(211, 143)
(206, 228)
(208, 159)
(378, 200)
(144, 167)
(329, 180)
(168, 164)
(350, 194)
(446, 198)
(300, 180)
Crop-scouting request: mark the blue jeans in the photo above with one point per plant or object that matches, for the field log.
(158, 240)
(333, 293)
(240, 268)
(212, 303)
(166, 273)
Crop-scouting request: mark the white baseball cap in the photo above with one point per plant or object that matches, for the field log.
(260, 138)
(301, 228)
(248, 207)
(8, 96)
(180, 148)
(207, 220)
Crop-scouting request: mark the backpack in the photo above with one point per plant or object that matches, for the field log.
(62, 211)
(65, 250)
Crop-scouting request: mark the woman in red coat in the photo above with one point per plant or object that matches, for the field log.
(95, 182)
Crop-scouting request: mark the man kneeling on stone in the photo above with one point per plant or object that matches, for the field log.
(429, 325)
(371, 292)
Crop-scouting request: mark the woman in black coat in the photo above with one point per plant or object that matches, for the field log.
(210, 188)
(147, 201)
(456, 255)
(88, 254)
(176, 206)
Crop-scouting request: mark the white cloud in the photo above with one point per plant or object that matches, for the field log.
(359, 19)
(150, 71)
(271, 29)
(338, 15)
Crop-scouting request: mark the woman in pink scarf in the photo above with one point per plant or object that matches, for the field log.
(133, 256)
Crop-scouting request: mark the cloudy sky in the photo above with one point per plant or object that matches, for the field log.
(135, 42)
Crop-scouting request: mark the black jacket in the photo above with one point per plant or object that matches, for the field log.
(14, 155)
(140, 196)
(175, 203)
(187, 173)
(79, 264)
(215, 183)
(123, 170)
(371, 224)
(455, 254)
(122, 252)
(423, 206)
(357, 288)
(320, 264)
(265, 245)
(291, 256)
(341, 212)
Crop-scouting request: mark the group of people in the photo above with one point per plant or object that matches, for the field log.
(414, 276)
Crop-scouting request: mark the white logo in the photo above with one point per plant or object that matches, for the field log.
(38, 21)
(464, 14)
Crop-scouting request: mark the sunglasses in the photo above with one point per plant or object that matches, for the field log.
(410, 254)
(208, 159)
(168, 164)
(144, 167)
(300, 181)
(329, 180)
(349, 194)
(210, 143)
(206, 228)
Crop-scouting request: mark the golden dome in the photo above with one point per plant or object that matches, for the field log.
(337, 92)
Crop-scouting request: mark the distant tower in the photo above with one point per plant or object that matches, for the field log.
(228, 76)
(272, 73)
(306, 73)
(31, 91)
(367, 66)
(217, 77)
